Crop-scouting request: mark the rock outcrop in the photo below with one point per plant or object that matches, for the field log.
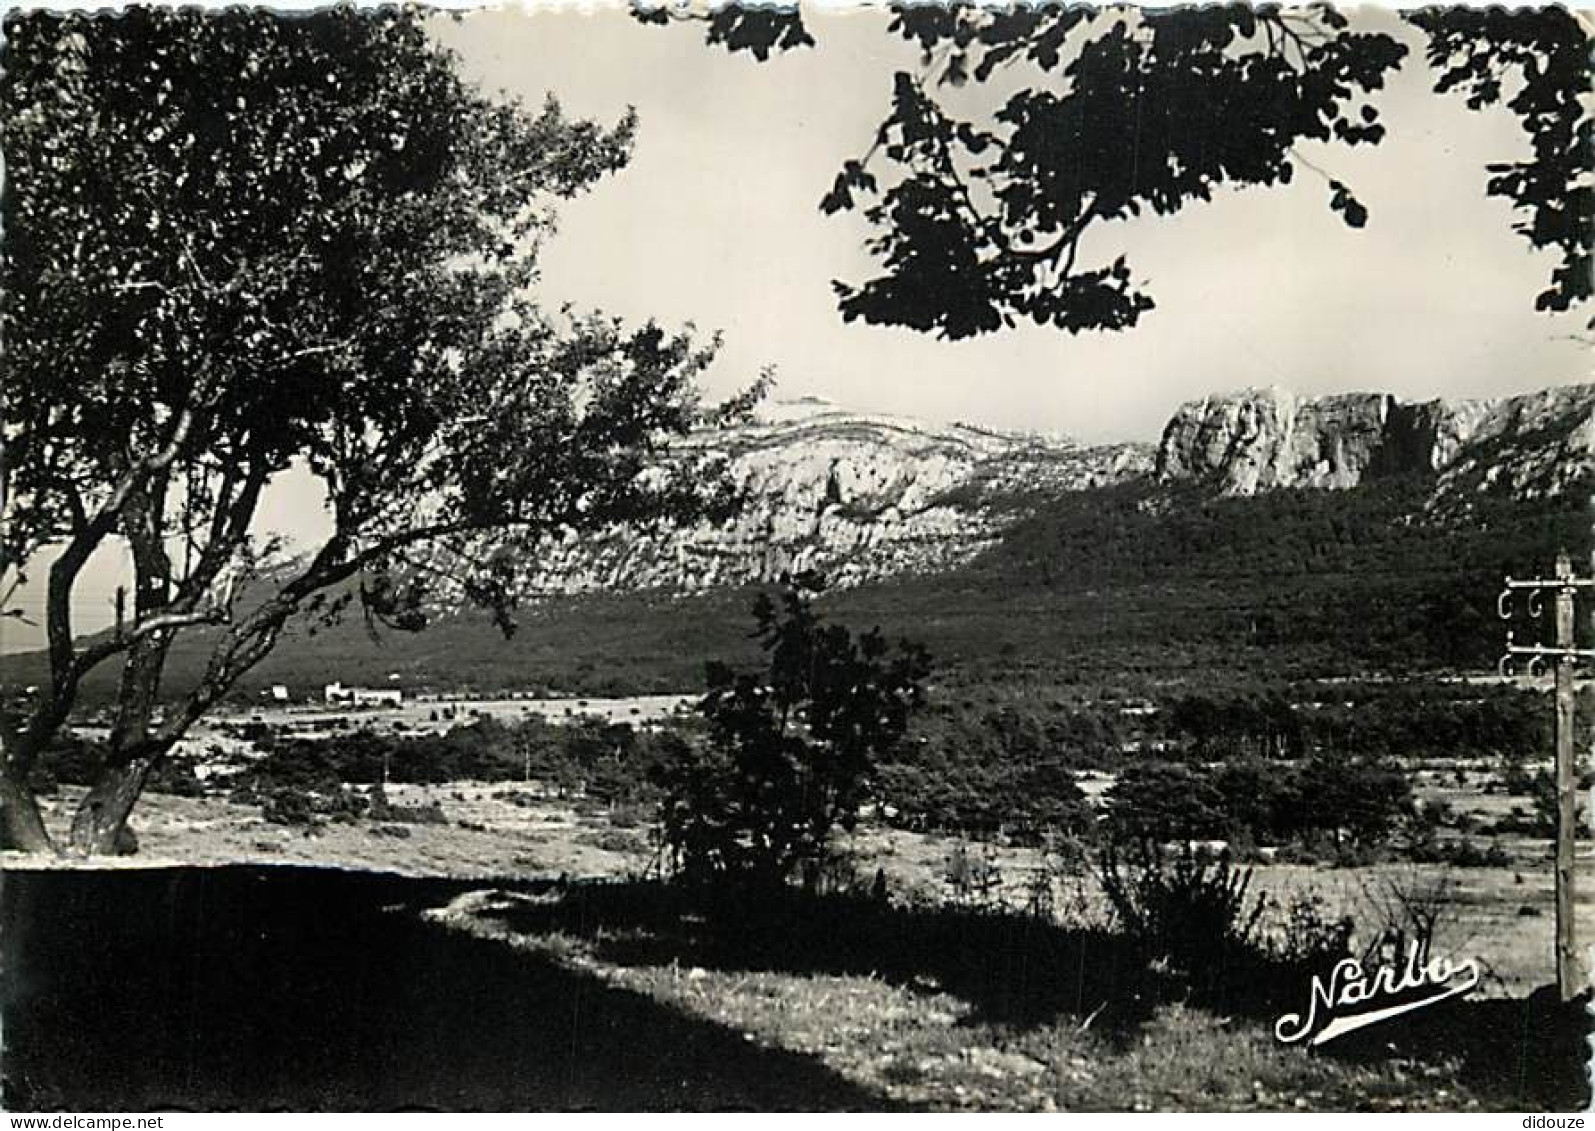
(863, 497)
(858, 497)
(1532, 445)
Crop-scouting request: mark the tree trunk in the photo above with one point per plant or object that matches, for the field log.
(21, 825)
(99, 827)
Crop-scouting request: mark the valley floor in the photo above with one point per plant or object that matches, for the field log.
(1501, 915)
(933, 999)
(322, 988)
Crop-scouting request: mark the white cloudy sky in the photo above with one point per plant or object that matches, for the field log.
(716, 222)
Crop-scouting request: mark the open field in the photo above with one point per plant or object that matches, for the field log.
(243, 987)
(1501, 915)
(499, 945)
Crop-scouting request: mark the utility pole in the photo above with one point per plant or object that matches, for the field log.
(1563, 652)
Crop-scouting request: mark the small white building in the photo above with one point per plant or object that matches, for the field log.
(337, 693)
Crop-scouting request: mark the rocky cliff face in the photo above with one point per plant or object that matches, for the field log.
(858, 497)
(1533, 445)
(865, 497)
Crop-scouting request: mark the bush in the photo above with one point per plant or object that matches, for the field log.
(1194, 913)
(289, 807)
(1462, 853)
(1165, 801)
(623, 841)
(175, 777)
(70, 759)
(1415, 907)
(42, 781)
(1309, 937)
(971, 878)
(790, 748)
(1362, 798)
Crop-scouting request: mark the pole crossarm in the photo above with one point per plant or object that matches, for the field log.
(1536, 588)
(1538, 654)
(1550, 583)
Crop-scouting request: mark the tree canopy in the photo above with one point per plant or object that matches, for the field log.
(985, 217)
(240, 243)
(1536, 61)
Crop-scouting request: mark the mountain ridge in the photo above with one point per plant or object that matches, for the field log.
(1532, 444)
(862, 497)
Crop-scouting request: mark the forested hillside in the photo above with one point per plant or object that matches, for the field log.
(1115, 590)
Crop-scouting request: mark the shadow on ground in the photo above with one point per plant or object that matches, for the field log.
(266, 988)
(1515, 1054)
(305, 989)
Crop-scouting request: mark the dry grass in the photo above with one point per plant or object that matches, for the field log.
(922, 1046)
(915, 1042)
(487, 835)
(1503, 916)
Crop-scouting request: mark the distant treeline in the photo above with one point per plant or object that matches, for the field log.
(1137, 587)
(610, 762)
(1322, 765)
(1126, 590)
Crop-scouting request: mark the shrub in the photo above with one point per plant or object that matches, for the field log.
(1164, 801)
(382, 809)
(971, 878)
(790, 749)
(1195, 913)
(1462, 853)
(42, 781)
(1360, 797)
(1412, 907)
(1309, 937)
(1258, 799)
(70, 759)
(176, 777)
(623, 841)
(289, 807)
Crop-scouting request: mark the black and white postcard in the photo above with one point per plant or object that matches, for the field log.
(916, 557)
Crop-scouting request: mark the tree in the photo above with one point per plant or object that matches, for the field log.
(1164, 801)
(1260, 798)
(1363, 796)
(1537, 59)
(982, 220)
(240, 243)
(790, 749)
(985, 218)
(999, 772)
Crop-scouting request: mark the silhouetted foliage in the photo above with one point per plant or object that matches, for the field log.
(1161, 801)
(1197, 914)
(791, 748)
(1340, 799)
(613, 763)
(1108, 113)
(1537, 61)
(1002, 772)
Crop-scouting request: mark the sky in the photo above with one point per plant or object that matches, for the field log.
(716, 222)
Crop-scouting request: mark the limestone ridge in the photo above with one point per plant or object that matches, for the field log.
(1530, 446)
(864, 497)
(857, 496)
